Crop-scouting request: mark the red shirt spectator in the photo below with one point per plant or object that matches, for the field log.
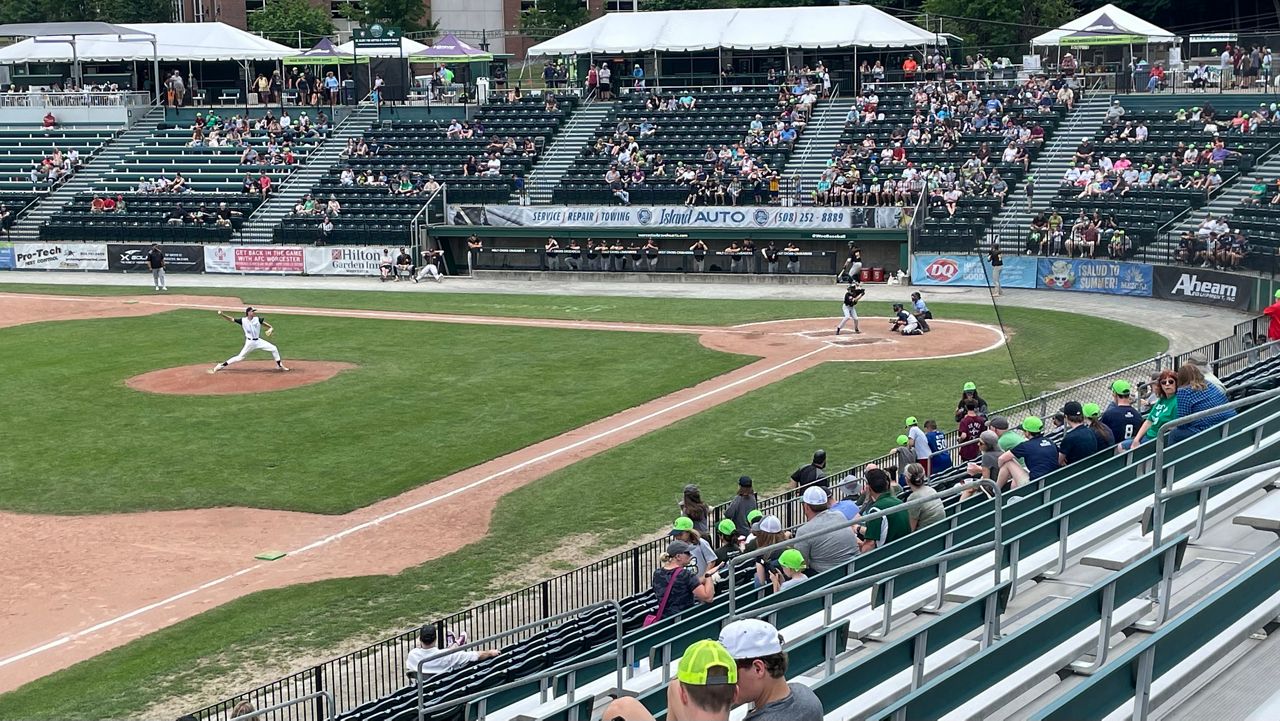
(1273, 312)
(971, 427)
(49, 120)
(909, 67)
(108, 204)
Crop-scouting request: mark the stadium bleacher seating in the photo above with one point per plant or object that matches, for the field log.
(21, 149)
(422, 149)
(720, 119)
(950, 568)
(213, 175)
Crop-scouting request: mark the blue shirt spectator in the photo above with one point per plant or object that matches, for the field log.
(1196, 395)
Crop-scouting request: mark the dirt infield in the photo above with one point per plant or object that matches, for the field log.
(245, 377)
(78, 586)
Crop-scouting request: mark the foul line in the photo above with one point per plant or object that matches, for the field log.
(63, 640)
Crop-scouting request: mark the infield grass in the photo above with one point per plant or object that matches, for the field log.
(426, 400)
(587, 509)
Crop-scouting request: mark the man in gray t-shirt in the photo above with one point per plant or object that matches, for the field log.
(832, 549)
(762, 674)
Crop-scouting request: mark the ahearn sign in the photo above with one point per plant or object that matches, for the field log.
(1198, 285)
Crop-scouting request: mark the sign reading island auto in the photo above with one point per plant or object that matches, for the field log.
(376, 36)
(676, 216)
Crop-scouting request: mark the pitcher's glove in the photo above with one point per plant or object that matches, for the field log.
(270, 332)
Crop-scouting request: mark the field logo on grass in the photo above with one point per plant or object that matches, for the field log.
(801, 430)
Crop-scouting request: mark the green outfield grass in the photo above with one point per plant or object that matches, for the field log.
(427, 400)
(681, 311)
(591, 506)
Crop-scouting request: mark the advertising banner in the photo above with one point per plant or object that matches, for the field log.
(6, 255)
(60, 256)
(1080, 275)
(253, 259)
(177, 258)
(971, 271)
(674, 216)
(1201, 285)
(344, 260)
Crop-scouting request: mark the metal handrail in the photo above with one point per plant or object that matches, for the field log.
(615, 605)
(861, 519)
(330, 708)
(1199, 487)
(1163, 430)
(1240, 354)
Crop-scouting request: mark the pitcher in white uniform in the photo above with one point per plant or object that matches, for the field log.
(253, 328)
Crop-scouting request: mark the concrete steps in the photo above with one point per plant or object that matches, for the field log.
(27, 229)
(1050, 165)
(572, 138)
(815, 145)
(260, 227)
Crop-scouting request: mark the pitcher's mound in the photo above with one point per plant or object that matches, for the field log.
(243, 377)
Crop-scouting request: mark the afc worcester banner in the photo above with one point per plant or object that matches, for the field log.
(674, 216)
(1094, 276)
(969, 271)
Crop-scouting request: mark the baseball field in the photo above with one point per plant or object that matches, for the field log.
(471, 444)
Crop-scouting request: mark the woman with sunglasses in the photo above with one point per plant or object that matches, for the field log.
(1163, 410)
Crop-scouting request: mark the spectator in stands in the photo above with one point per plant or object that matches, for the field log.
(1195, 395)
(49, 122)
(812, 473)
(1093, 419)
(756, 647)
(326, 232)
(692, 506)
(919, 442)
(264, 185)
(729, 542)
(987, 464)
(682, 530)
(971, 426)
(879, 531)
(681, 587)
(1163, 408)
(244, 711)
(830, 549)
(789, 571)
(919, 488)
(1038, 453)
(434, 659)
(743, 503)
(939, 454)
(1079, 442)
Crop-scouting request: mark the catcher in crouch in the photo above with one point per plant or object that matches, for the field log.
(253, 327)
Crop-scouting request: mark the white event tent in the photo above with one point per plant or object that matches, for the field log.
(839, 26)
(1106, 23)
(194, 42)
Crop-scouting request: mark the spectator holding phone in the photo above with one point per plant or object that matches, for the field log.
(680, 586)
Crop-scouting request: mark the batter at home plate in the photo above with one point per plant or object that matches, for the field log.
(253, 328)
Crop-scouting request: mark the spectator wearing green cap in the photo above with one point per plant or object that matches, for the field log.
(729, 542)
(703, 554)
(1121, 417)
(753, 520)
(706, 683)
(879, 531)
(789, 571)
(1038, 453)
(970, 426)
(919, 442)
(904, 454)
(1092, 418)
(742, 505)
(970, 393)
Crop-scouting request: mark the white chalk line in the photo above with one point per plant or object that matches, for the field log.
(67, 638)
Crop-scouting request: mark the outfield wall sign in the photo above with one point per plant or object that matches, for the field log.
(60, 256)
(1198, 285)
(6, 255)
(1081, 275)
(680, 217)
(177, 258)
(253, 259)
(972, 271)
(344, 260)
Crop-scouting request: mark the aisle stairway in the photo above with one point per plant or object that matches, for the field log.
(1048, 168)
(28, 227)
(551, 167)
(1222, 204)
(815, 146)
(259, 226)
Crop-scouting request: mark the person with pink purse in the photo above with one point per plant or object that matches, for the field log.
(678, 588)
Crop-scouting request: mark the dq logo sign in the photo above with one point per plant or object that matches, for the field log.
(942, 270)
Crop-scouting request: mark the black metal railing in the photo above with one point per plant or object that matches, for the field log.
(377, 670)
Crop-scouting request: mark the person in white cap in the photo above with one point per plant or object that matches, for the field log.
(756, 646)
(829, 550)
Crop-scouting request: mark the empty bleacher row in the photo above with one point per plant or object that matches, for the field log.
(1016, 592)
(719, 121)
(416, 151)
